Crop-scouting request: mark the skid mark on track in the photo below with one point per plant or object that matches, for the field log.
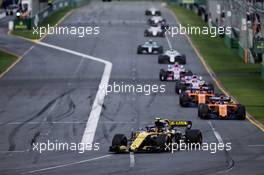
(46, 108)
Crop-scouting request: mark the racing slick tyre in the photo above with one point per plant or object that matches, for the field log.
(182, 60)
(139, 50)
(163, 59)
(177, 87)
(161, 141)
(158, 13)
(211, 87)
(162, 34)
(241, 112)
(193, 136)
(162, 75)
(189, 73)
(146, 33)
(160, 50)
(184, 99)
(203, 111)
(118, 140)
(147, 13)
(182, 88)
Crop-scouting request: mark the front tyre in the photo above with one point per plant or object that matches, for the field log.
(118, 141)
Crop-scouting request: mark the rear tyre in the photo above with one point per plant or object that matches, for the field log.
(189, 73)
(161, 59)
(211, 87)
(182, 88)
(162, 75)
(183, 59)
(184, 99)
(158, 13)
(160, 50)
(193, 136)
(162, 141)
(203, 111)
(177, 87)
(241, 112)
(139, 50)
(146, 33)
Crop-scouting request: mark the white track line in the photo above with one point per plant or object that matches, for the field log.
(66, 165)
(216, 133)
(91, 125)
(132, 160)
(169, 43)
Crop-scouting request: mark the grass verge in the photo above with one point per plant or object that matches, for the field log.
(52, 20)
(6, 60)
(243, 81)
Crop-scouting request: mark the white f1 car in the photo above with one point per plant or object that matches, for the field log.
(154, 32)
(153, 12)
(172, 56)
(174, 72)
(156, 20)
(150, 47)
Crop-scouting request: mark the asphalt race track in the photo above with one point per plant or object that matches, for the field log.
(49, 95)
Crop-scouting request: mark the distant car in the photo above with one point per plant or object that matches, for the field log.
(153, 12)
(193, 81)
(195, 96)
(156, 20)
(11, 9)
(221, 107)
(172, 56)
(174, 72)
(150, 47)
(154, 32)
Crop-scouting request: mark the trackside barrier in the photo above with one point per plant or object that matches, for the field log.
(30, 22)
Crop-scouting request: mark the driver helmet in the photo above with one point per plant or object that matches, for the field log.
(158, 123)
(170, 67)
(150, 41)
(176, 65)
(195, 76)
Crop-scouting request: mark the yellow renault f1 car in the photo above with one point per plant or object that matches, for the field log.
(155, 138)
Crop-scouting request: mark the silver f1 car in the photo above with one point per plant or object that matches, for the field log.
(153, 12)
(174, 72)
(150, 47)
(172, 56)
(156, 20)
(154, 32)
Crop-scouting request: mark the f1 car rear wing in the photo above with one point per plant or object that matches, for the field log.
(180, 123)
(220, 99)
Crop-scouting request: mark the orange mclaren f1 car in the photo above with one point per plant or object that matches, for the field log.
(221, 107)
(195, 96)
